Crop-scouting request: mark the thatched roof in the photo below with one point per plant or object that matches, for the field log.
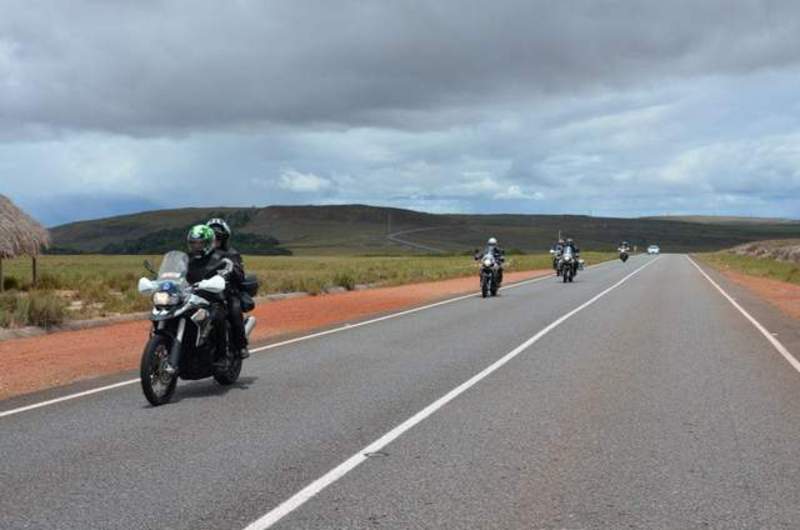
(19, 234)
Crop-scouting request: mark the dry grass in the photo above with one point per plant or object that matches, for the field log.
(95, 285)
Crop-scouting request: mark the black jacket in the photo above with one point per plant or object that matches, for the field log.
(214, 263)
(234, 255)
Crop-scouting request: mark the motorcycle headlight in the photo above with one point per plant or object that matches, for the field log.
(163, 298)
(487, 262)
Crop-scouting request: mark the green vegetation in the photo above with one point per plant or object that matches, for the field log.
(764, 267)
(84, 286)
(362, 230)
(34, 308)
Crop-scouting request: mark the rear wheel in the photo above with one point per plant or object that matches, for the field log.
(158, 386)
(231, 374)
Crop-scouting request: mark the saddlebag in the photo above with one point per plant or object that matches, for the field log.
(250, 284)
(248, 304)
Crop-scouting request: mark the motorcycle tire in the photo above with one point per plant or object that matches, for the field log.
(157, 387)
(231, 375)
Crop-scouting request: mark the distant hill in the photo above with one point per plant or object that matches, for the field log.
(721, 219)
(360, 229)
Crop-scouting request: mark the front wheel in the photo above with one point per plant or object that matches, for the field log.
(484, 286)
(158, 386)
(231, 375)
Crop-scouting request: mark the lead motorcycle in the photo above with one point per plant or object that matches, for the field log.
(623, 254)
(568, 264)
(189, 330)
(490, 275)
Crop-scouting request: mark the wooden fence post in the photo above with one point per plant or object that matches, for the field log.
(34, 270)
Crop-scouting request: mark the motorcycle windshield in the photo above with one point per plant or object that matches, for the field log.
(174, 266)
(568, 252)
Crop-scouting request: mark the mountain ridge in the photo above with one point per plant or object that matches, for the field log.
(365, 229)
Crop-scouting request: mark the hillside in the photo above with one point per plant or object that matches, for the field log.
(787, 250)
(358, 229)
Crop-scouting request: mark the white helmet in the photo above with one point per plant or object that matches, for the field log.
(492, 242)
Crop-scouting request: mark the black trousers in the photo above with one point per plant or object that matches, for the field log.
(236, 319)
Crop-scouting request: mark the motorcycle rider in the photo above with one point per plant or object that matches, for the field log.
(205, 262)
(222, 236)
(498, 253)
(575, 250)
(556, 251)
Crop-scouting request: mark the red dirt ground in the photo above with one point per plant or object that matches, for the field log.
(37, 363)
(786, 296)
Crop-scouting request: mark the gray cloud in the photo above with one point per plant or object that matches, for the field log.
(604, 107)
(149, 68)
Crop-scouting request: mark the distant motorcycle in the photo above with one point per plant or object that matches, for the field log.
(623, 254)
(567, 264)
(490, 275)
(187, 323)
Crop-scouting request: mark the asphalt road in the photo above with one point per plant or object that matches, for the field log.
(657, 405)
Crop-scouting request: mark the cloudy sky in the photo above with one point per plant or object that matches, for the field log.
(593, 107)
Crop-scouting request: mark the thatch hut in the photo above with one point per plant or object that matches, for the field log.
(20, 235)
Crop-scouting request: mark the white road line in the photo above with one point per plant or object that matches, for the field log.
(66, 398)
(344, 327)
(307, 493)
(769, 336)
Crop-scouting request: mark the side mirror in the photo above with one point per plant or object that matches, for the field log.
(146, 286)
(212, 285)
(149, 267)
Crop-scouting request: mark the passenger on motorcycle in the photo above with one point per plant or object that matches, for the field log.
(206, 262)
(497, 252)
(222, 236)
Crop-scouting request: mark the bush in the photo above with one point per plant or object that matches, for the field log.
(19, 316)
(346, 280)
(11, 283)
(45, 309)
(48, 281)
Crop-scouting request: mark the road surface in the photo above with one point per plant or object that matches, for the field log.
(637, 397)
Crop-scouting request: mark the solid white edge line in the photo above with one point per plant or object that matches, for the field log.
(286, 342)
(775, 342)
(307, 493)
(66, 398)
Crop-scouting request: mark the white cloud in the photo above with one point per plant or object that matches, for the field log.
(295, 181)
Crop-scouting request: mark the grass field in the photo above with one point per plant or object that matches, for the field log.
(85, 286)
(765, 267)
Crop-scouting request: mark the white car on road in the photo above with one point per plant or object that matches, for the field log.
(653, 249)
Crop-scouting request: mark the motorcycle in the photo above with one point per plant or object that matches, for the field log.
(490, 275)
(623, 254)
(568, 264)
(189, 331)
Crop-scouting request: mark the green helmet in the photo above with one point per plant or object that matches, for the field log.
(200, 241)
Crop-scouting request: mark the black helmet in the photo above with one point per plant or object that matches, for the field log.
(222, 231)
(200, 241)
